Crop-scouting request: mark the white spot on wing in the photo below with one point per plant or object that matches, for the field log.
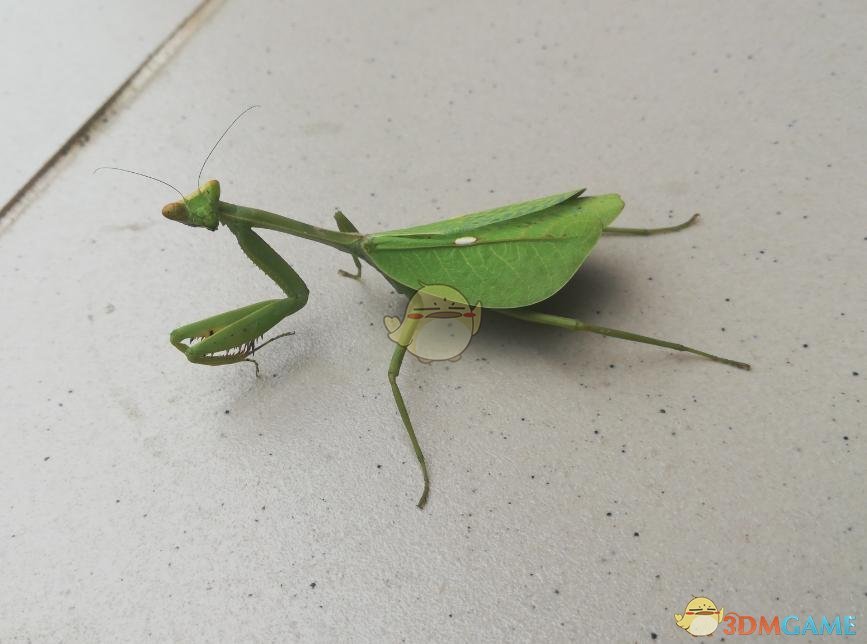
(465, 241)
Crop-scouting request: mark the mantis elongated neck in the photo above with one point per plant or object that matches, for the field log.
(255, 218)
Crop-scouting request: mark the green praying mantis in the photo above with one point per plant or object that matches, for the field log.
(508, 259)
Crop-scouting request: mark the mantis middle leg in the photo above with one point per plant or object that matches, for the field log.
(346, 226)
(393, 372)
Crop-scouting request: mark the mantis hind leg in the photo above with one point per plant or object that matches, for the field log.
(645, 232)
(393, 372)
(571, 324)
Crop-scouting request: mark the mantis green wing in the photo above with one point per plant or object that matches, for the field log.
(505, 258)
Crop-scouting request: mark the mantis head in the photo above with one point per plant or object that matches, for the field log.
(198, 208)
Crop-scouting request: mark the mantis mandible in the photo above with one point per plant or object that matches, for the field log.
(508, 259)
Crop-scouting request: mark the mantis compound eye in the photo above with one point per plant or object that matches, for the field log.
(176, 211)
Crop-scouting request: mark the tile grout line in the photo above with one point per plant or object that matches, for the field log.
(131, 85)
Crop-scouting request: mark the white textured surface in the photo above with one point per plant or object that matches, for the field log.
(59, 62)
(147, 498)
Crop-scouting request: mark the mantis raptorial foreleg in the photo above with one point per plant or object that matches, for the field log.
(231, 336)
(571, 324)
(613, 230)
(346, 226)
(393, 372)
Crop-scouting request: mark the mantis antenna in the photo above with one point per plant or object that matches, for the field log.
(142, 174)
(225, 132)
